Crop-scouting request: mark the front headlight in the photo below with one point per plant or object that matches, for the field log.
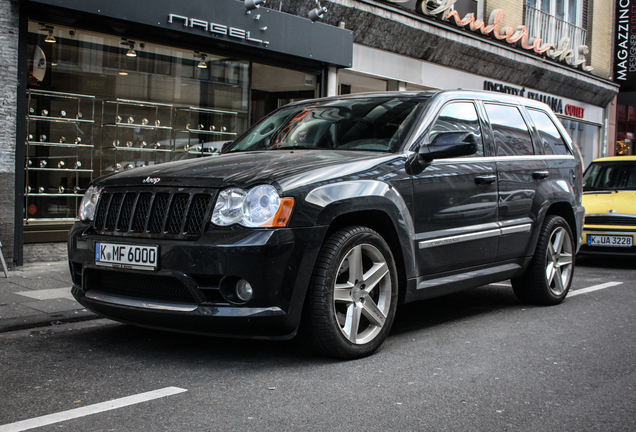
(259, 206)
(88, 204)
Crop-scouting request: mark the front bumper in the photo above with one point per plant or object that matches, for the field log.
(191, 289)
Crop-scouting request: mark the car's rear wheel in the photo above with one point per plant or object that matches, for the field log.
(353, 295)
(549, 275)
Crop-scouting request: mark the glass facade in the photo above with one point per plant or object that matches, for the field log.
(587, 136)
(99, 103)
(626, 130)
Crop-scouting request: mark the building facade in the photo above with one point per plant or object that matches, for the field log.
(95, 88)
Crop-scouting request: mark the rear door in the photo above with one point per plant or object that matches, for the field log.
(522, 179)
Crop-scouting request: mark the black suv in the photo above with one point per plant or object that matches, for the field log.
(326, 214)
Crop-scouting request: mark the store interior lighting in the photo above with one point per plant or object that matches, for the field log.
(131, 48)
(202, 64)
(49, 38)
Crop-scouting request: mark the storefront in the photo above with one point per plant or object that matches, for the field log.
(376, 70)
(113, 87)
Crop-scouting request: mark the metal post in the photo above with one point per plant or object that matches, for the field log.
(4, 264)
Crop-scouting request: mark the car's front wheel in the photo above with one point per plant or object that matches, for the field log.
(549, 275)
(353, 295)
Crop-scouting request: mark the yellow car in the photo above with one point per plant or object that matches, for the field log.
(609, 198)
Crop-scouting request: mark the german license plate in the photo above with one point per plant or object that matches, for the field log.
(127, 256)
(609, 240)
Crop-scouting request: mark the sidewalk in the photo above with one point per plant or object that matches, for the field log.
(38, 295)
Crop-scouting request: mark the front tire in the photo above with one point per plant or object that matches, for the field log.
(548, 278)
(353, 295)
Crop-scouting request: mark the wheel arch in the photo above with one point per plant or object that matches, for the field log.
(382, 223)
(564, 210)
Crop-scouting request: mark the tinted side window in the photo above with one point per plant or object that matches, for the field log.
(551, 139)
(510, 130)
(458, 117)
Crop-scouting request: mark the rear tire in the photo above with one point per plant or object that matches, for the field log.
(548, 278)
(352, 297)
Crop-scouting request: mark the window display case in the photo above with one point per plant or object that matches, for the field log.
(202, 131)
(135, 134)
(59, 154)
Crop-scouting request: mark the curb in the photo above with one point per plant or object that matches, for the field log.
(48, 320)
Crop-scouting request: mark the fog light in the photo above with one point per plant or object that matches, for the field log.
(244, 291)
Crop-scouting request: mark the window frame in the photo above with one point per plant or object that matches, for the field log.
(525, 119)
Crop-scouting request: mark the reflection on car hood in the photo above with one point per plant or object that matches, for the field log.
(287, 167)
(621, 202)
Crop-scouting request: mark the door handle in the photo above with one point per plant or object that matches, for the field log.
(485, 179)
(537, 175)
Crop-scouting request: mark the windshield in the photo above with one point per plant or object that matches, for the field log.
(615, 175)
(377, 124)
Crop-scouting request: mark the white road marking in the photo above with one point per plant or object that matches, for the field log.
(48, 294)
(501, 284)
(593, 288)
(90, 409)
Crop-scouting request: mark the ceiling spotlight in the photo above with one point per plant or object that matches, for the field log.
(202, 64)
(50, 38)
(250, 5)
(47, 28)
(317, 14)
(131, 48)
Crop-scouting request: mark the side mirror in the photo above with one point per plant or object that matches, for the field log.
(448, 145)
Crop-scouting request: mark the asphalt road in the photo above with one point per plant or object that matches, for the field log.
(474, 361)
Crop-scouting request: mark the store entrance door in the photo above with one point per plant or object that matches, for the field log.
(273, 87)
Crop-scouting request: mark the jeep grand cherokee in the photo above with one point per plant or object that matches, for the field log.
(327, 213)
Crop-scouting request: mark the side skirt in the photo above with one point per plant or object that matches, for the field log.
(431, 286)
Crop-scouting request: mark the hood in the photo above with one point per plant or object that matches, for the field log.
(601, 202)
(246, 169)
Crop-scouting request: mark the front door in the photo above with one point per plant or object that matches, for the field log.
(455, 201)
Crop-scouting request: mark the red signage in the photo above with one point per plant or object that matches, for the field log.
(574, 111)
(32, 209)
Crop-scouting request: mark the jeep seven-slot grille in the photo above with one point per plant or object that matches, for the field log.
(156, 212)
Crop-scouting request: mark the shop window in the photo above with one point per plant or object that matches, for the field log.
(622, 112)
(626, 130)
(274, 87)
(510, 130)
(586, 136)
(92, 110)
(351, 83)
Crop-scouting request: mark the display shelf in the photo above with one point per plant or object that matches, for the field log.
(34, 220)
(59, 119)
(59, 169)
(138, 149)
(204, 132)
(125, 120)
(53, 144)
(47, 195)
(52, 115)
(213, 126)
